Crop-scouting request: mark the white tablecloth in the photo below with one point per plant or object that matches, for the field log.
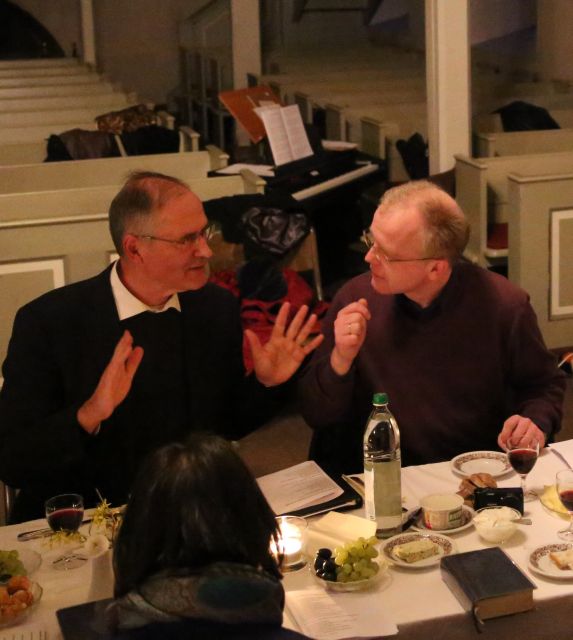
(416, 600)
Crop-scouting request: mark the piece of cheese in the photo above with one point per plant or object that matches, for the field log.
(416, 550)
(563, 559)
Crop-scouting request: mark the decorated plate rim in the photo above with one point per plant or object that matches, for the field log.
(483, 455)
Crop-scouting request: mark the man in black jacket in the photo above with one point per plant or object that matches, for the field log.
(82, 404)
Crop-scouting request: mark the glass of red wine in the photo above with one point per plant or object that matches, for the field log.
(523, 458)
(65, 513)
(564, 483)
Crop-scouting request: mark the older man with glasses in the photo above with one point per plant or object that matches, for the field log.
(456, 347)
(100, 372)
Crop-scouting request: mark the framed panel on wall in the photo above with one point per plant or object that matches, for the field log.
(560, 261)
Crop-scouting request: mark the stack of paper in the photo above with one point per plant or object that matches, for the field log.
(326, 616)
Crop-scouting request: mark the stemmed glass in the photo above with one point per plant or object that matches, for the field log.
(564, 482)
(523, 458)
(65, 513)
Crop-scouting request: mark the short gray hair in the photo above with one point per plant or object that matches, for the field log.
(446, 231)
(143, 193)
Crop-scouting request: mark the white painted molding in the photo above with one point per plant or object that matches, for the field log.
(56, 266)
(556, 309)
(39, 222)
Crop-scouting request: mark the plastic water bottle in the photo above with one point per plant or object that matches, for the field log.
(383, 491)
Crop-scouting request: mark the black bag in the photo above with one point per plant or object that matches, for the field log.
(414, 152)
(523, 116)
(273, 231)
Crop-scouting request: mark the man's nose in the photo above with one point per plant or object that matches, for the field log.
(202, 248)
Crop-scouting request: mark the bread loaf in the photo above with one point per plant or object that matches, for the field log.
(416, 550)
(562, 559)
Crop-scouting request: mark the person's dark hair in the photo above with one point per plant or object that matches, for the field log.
(193, 504)
(447, 230)
(142, 193)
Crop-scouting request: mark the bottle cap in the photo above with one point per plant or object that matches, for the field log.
(380, 398)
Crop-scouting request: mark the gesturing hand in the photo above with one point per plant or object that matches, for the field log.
(349, 334)
(277, 360)
(114, 384)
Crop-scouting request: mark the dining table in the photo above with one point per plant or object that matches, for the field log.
(416, 600)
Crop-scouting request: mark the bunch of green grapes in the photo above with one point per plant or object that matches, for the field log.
(351, 562)
(10, 565)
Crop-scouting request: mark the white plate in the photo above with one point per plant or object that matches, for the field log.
(540, 562)
(445, 548)
(467, 521)
(493, 462)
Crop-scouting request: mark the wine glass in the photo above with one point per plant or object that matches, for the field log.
(523, 458)
(564, 482)
(65, 513)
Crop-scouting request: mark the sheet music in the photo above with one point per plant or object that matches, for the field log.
(285, 132)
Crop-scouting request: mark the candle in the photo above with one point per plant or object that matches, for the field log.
(291, 542)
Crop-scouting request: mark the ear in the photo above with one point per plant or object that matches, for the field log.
(440, 269)
(130, 245)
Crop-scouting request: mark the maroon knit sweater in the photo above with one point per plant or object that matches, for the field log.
(453, 371)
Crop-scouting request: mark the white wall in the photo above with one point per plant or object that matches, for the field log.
(60, 17)
(554, 42)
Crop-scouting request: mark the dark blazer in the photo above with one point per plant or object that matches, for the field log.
(60, 345)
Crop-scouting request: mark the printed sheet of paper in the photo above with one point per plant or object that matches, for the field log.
(286, 133)
(326, 616)
(263, 170)
(300, 486)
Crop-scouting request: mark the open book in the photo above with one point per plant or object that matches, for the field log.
(285, 132)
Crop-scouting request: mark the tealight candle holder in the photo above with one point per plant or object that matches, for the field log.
(291, 543)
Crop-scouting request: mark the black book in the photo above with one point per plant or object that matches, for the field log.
(487, 583)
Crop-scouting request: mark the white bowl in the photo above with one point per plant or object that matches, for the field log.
(496, 524)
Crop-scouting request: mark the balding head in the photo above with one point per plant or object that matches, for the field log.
(445, 230)
(143, 193)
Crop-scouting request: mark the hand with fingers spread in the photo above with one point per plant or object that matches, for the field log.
(520, 430)
(277, 360)
(349, 334)
(113, 386)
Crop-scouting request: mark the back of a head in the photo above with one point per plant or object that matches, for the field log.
(193, 504)
(446, 229)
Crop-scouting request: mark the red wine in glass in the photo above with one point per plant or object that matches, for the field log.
(66, 519)
(65, 513)
(523, 458)
(564, 485)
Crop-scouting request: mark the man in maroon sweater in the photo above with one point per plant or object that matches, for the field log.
(456, 347)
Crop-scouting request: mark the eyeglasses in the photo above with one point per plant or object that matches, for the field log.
(188, 240)
(370, 243)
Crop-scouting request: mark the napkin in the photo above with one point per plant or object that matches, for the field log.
(563, 450)
(334, 529)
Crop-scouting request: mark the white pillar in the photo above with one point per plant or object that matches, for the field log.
(246, 40)
(448, 81)
(88, 34)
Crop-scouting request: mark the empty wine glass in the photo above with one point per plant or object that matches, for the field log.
(523, 458)
(564, 483)
(65, 513)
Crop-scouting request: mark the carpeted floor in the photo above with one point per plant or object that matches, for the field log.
(284, 441)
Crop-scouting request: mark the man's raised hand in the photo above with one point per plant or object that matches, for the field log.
(277, 360)
(113, 386)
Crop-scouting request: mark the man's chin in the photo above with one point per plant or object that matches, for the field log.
(196, 279)
(379, 285)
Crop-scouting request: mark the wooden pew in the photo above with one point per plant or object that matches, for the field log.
(512, 143)
(105, 101)
(54, 238)
(107, 171)
(482, 193)
(541, 249)
(17, 80)
(20, 118)
(491, 122)
(85, 88)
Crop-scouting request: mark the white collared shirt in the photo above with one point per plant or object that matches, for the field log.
(128, 305)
